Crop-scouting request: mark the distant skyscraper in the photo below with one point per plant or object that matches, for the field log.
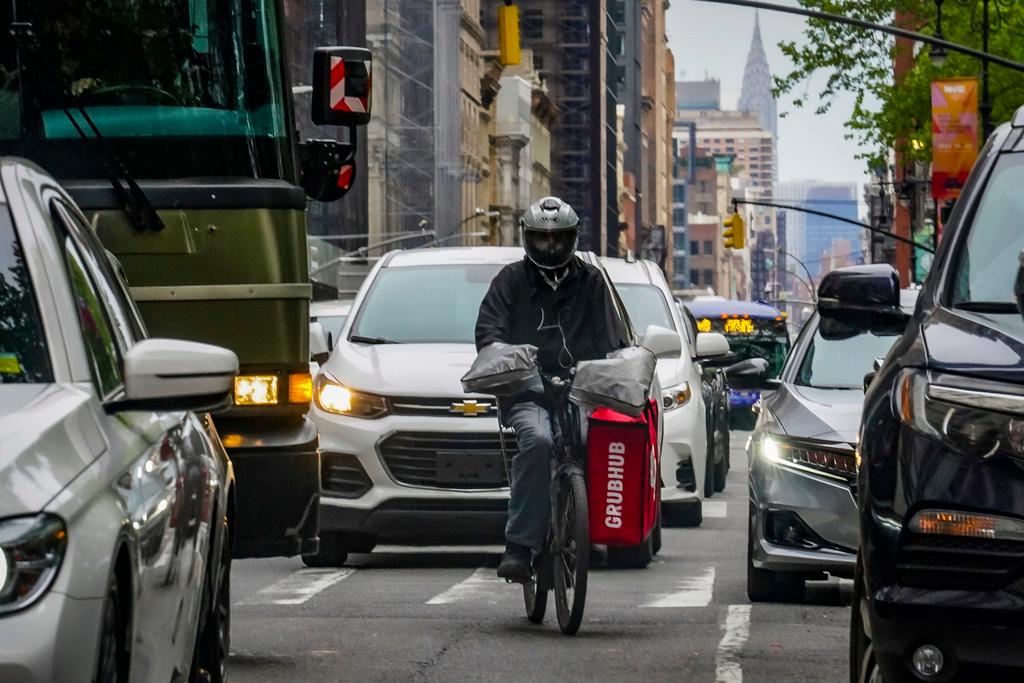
(756, 95)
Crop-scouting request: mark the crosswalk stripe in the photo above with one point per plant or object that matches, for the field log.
(717, 509)
(692, 591)
(482, 585)
(737, 630)
(299, 586)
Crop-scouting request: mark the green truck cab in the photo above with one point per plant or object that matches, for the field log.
(171, 124)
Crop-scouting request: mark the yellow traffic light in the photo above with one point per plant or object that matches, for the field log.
(508, 34)
(734, 233)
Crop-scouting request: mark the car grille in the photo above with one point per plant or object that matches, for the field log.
(440, 407)
(954, 562)
(342, 475)
(447, 460)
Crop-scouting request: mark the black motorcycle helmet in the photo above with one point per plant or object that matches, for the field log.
(550, 231)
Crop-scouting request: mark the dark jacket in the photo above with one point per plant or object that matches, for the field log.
(577, 321)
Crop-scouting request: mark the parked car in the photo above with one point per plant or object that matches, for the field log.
(687, 461)
(715, 384)
(116, 508)
(407, 457)
(803, 510)
(939, 587)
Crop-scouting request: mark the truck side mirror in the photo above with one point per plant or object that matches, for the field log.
(341, 86)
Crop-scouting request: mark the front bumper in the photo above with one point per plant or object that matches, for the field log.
(277, 485)
(684, 446)
(54, 640)
(826, 507)
(396, 512)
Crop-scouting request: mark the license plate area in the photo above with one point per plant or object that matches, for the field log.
(469, 469)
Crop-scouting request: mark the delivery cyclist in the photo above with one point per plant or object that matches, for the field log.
(554, 301)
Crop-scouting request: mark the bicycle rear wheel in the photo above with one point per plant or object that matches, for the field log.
(535, 591)
(572, 553)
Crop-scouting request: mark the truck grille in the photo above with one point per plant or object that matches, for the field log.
(342, 475)
(447, 460)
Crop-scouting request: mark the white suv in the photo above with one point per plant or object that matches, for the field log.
(407, 457)
(648, 300)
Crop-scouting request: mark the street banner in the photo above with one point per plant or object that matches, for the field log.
(954, 135)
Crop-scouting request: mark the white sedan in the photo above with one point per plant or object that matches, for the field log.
(115, 529)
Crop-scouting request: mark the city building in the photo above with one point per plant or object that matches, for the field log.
(573, 42)
(756, 95)
(699, 95)
(739, 135)
(828, 241)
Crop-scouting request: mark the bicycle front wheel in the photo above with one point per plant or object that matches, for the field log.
(572, 553)
(535, 591)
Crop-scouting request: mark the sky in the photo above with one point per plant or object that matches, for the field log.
(713, 40)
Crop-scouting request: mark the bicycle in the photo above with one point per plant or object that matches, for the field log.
(563, 563)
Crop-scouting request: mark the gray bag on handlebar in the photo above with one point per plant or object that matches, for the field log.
(504, 370)
(622, 381)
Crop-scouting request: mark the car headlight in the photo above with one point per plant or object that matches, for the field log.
(977, 423)
(676, 397)
(829, 460)
(334, 397)
(31, 551)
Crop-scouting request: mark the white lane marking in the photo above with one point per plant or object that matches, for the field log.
(715, 508)
(483, 584)
(693, 591)
(299, 586)
(737, 630)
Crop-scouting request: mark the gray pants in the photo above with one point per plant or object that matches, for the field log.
(529, 508)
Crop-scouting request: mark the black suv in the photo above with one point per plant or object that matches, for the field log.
(939, 589)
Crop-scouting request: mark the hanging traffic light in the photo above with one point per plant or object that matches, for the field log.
(734, 233)
(508, 34)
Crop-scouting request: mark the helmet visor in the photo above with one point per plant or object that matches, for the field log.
(550, 248)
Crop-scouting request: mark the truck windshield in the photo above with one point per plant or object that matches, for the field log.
(179, 88)
(424, 304)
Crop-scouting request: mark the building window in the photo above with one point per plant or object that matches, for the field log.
(538, 62)
(707, 247)
(678, 216)
(694, 247)
(709, 277)
(679, 193)
(533, 24)
(695, 276)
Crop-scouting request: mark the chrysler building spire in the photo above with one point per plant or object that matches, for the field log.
(756, 95)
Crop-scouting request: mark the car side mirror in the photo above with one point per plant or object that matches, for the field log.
(870, 377)
(711, 345)
(319, 343)
(172, 374)
(662, 342)
(751, 373)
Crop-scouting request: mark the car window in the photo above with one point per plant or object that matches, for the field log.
(425, 305)
(987, 264)
(841, 359)
(120, 309)
(23, 352)
(100, 345)
(646, 306)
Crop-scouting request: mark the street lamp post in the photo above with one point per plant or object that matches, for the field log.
(810, 280)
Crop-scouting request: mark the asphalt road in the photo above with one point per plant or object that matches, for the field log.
(440, 614)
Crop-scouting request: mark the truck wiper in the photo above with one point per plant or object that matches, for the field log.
(359, 339)
(988, 306)
(132, 199)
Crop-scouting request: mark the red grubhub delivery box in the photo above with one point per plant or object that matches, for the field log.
(622, 474)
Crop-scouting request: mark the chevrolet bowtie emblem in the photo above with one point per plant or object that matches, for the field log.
(471, 408)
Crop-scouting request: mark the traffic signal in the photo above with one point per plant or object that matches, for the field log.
(508, 34)
(734, 233)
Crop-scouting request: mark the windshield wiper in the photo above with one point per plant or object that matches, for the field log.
(988, 306)
(133, 200)
(359, 339)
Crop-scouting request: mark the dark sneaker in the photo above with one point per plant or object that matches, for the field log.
(515, 563)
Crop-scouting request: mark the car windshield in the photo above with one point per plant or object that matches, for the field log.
(840, 362)
(23, 357)
(646, 306)
(178, 88)
(988, 263)
(772, 349)
(424, 304)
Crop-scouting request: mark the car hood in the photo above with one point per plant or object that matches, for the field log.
(48, 435)
(819, 414)
(402, 369)
(976, 344)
